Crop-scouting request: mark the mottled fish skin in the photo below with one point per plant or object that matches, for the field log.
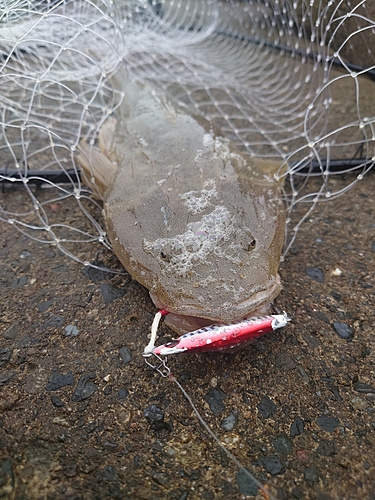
(189, 217)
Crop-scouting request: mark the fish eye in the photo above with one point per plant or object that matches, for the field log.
(164, 256)
(251, 245)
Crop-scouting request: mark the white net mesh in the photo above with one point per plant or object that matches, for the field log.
(283, 80)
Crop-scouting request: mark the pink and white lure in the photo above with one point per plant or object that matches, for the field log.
(222, 337)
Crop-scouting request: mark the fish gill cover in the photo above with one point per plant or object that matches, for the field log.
(285, 81)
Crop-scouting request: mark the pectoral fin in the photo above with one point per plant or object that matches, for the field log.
(98, 172)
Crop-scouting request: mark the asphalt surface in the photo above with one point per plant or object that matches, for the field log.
(83, 417)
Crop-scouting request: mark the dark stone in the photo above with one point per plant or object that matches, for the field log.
(283, 445)
(297, 493)
(155, 417)
(125, 354)
(96, 275)
(336, 296)
(272, 465)
(178, 494)
(364, 388)
(5, 355)
(20, 282)
(12, 332)
(214, 398)
(315, 273)
(107, 390)
(297, 427)
(123, 393)
(267, 407)
(310, 340)
(161, 478)
(43, 306)
(6, 473)
(311, 476)
(326, 448)
(56, 401)
(6, 377)
(324, 496)
(328, 424)
(322, 316)
(284, 362)
(110, 293)
(343, 330)
(71, 331)
(53, 322)
(84, 388)
(229, 423)
(245, 484)
(58, 380)
(115, 491)
(109, 472)
(195, 475)
(62, 268)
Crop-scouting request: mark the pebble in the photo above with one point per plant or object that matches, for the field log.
(71, 331)
(6, 476)
(154, 416)
(297, 427)
(315, 273)
(6, 377)
(84, 388)
(245, 484)
(110, 293)
(56, 401)
(125, 354)
(214, 398)
(326, 448)
(25, 255)
(20, 282)
(12, 331)
(310, 340)
(123, 393)
(284, 362)
(364, 388)
(328, 424)
(272, 465)
(161, 478)
(267, 407)
(44, 306)
(283, 445)
(58, 380)
(5, 355)
(311, 476)
(229, 423)
(109, 472)
(343, 330)
(52, 322)
(96, 275)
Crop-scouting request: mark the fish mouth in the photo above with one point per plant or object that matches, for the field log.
(188, 318)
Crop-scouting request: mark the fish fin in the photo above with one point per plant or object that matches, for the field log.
(106, 135)
(98, 172)
(275, 169)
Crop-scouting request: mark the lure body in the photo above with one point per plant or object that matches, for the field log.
(223, 337)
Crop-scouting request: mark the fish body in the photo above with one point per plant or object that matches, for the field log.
(193, 220)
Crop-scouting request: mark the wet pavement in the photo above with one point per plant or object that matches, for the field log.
(83, 417)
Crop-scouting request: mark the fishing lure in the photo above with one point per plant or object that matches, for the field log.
(216, 338)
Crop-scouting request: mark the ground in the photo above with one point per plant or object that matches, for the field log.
(296, 407)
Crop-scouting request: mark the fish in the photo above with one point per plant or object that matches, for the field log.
(198, 223)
